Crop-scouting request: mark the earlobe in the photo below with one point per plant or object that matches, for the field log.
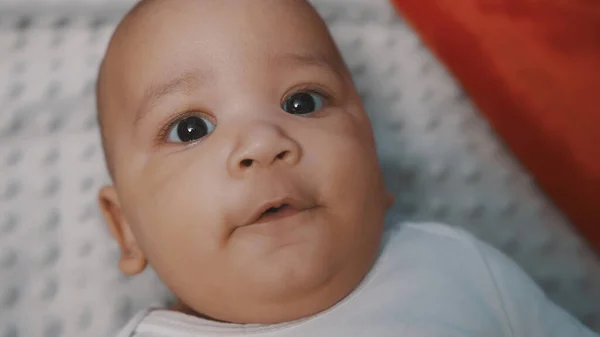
(389, 200)
(132, 260)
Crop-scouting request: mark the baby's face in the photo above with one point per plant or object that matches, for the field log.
(244, 163)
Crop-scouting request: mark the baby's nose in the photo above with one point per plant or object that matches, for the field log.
(261, 146)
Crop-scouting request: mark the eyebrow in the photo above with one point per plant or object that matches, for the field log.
(311, 59)
(190, 80)
(185, 83)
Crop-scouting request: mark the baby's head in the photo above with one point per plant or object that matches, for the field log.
(243, 162)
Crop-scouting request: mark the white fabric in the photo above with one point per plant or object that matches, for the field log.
(430, 280)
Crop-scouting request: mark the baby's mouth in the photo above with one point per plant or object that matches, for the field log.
(278, 209)
(273, 210)
(276, 213)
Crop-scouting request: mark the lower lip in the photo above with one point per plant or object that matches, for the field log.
(278, 230)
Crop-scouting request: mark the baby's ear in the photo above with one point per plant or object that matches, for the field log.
(132, 261)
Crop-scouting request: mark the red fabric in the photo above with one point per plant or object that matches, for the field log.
(533, 68)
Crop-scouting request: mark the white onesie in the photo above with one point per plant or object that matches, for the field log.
(429, 281)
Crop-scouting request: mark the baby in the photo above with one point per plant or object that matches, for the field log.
(245, 174)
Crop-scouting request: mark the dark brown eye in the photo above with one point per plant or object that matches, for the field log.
(190, 129)
(303, 103)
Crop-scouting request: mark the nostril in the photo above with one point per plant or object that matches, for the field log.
(246, 163)
(282, 155)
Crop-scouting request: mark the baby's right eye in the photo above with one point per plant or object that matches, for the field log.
(190, 129)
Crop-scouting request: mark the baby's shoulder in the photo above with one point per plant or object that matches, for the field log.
(447, 258)
(433, 237)
(427, 271)
(438, 269)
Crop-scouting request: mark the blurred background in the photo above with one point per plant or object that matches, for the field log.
(58, 272)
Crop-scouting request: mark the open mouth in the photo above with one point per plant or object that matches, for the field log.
(278, 209)
(276, 213)
(274, 210)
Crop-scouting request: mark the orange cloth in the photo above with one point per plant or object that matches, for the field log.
(533, 68)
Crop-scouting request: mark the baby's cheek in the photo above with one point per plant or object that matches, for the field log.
(352, 166)
(179, 229)
(163, 174)
(177, 207)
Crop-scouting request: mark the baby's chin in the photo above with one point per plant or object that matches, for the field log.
(290, 284)
(280, 300)
(293, 273)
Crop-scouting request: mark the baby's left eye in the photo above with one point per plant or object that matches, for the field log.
(303, 103)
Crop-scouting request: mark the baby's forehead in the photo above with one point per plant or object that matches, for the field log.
(192, 39)
(264, 24)
(148, 16)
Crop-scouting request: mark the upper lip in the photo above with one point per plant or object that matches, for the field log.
(277, 203)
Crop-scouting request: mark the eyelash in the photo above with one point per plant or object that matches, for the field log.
(312, 89)
(309, 88)
(163, 133)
